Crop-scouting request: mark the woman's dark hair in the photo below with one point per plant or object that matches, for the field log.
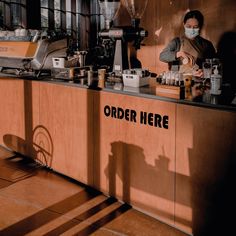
(195, 14)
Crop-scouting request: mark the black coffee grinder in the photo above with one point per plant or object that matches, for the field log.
(121, 36)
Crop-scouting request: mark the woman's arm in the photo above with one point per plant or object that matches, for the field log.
(168, 54)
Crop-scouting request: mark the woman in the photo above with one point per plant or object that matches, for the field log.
(189, 50)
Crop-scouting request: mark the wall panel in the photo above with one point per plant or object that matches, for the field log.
(205, 169)
(133, 161)
(19, 114)
(66, 120)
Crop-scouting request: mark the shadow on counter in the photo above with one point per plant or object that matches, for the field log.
(207, 194)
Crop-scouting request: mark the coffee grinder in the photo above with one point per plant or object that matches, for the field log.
(121, 36)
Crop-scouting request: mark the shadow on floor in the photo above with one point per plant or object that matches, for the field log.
(37, 201)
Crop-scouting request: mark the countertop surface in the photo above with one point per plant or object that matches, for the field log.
(214, 102)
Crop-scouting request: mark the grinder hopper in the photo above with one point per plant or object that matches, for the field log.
(123, 35)
(109, 9)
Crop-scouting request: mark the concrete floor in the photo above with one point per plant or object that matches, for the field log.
(37, 201)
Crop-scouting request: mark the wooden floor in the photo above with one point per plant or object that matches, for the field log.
(38, 201)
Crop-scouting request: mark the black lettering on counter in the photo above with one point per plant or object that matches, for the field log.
(119, 113)
(155, 120)
(133, 115)
(127, 114)
(143, 117)
(113, 112)
(151, 119)
(158, 121)
(165, 122)
(107, 111)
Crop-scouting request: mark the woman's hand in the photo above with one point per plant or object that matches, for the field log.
(198, 73)
(186, 58)
(182, 54)
(197, 91)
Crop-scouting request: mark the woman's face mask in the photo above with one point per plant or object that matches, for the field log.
(191, 32)
(192, 28)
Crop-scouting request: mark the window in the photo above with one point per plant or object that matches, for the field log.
(44, 14)
(54, 14)
(16, 17)
(57, 14)
(68, 17)
(73, 17)
(12, 14)
(1, 14)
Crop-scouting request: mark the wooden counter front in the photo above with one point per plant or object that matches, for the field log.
(66, 117)
(205, 170)
(49, 122)
(19, 114)
(135, 161)
(173, 161)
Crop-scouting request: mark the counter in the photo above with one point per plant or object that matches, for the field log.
(172, 159)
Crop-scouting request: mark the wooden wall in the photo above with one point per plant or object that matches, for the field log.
(165, 17)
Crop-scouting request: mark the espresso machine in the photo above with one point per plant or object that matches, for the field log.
(120, 37)
(27, 52)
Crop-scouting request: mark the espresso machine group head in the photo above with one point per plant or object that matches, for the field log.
(121, 36)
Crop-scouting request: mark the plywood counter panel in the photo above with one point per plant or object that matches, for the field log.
(205, 157)
(49, 122)
(133, 161)
(173, 161)
(19, 114)
(66, 119)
